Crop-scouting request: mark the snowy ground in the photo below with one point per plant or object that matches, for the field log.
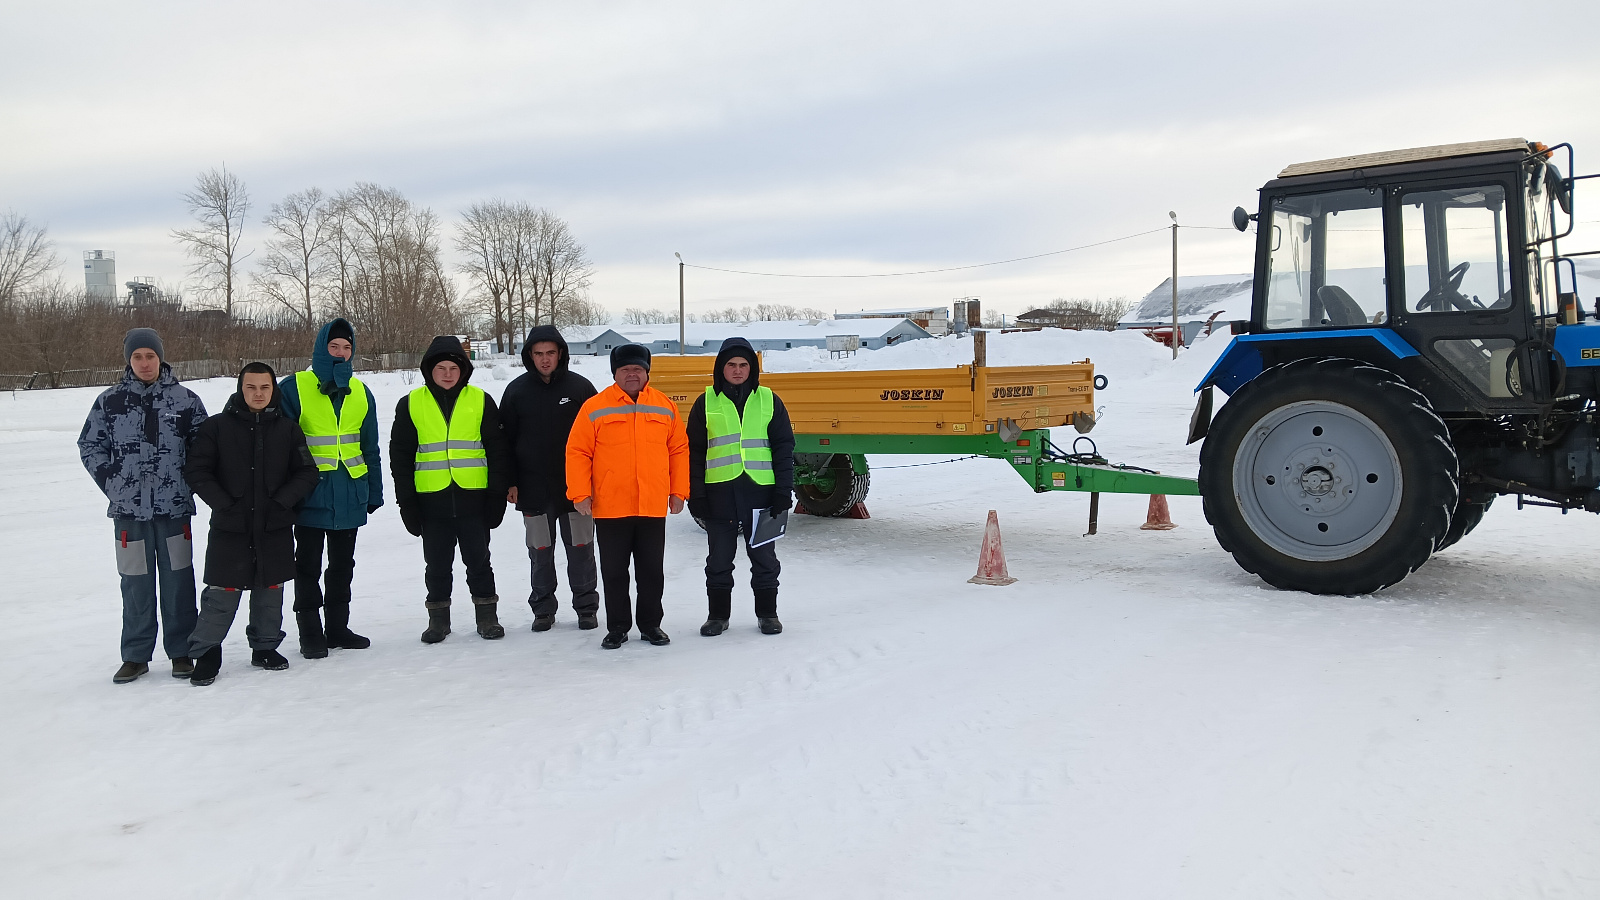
(1135, 718)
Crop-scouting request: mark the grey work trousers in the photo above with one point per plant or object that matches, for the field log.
(158, 553)
(218, 606)
(577, 539)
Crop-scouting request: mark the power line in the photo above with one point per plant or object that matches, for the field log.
(1002, 262)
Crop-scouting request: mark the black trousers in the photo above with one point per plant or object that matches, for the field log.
(722, 540)
(310, 577)
(440, 537)
(643, 540)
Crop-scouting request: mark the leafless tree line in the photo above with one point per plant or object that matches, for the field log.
(526, 269)
(761, 312)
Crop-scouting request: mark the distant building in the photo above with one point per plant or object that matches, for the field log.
(100, 275)
(1076, 318)
(707, 337)
(1203, 301)
(935, 320)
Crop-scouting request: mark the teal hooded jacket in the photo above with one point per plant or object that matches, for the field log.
(339, 502)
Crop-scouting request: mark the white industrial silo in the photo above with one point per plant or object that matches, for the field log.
(100, 275)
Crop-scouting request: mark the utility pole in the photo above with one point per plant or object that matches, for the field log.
(680, 300)
(1177, 335)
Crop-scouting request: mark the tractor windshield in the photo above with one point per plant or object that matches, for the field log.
(1325, 269)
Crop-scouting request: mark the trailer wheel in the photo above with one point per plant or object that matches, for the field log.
(1467, 516)
(1328, 476)
(838, 490)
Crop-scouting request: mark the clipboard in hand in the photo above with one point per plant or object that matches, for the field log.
(766, 527)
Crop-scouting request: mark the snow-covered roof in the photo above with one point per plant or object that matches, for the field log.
(904, 312)
(1198, 297)
(799, 329)
(1413, 154)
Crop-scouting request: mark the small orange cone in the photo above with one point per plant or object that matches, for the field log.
(1159, 518)
(991, 559)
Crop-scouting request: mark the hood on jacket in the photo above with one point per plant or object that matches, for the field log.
(333, 374)
(732, 347)
(446, 346)
(237, 406)
(545, 333)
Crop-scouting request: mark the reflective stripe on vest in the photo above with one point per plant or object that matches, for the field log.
(450, 451)
(736, 446)
(332, 437)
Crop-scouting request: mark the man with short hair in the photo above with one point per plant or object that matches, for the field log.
(741, 461)
(134, 444)
(252, 467)
(451, 470)
(339, 417)
(537, 411)
(628, 467)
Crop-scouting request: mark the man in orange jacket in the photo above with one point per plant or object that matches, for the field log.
(628, 466)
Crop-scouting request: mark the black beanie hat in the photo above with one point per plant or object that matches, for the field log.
(630, 355)
(339, 328)
(142, 339)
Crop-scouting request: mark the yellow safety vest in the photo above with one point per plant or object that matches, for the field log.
(736, 446)
(333, 438)
(450, 451)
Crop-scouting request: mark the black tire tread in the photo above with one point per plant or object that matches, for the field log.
(1432, 502)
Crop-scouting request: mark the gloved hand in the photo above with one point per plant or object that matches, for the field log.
(783, 503)
(413, 521)
(374, 507)
(494, 514)
(697, 507)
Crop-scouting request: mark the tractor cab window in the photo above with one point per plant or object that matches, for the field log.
(1326, 265)
(1455, 250)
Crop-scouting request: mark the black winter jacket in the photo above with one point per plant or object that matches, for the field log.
(733, 500)
(253, 469)
(537, 417)
(490, 503)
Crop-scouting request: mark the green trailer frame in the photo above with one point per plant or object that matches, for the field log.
(1029, 454)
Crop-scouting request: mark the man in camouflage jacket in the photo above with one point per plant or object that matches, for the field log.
(134, 445)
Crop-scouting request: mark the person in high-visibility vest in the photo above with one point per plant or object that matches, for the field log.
(741, 460)
(628, 467)
(339, 416)
(451, 469)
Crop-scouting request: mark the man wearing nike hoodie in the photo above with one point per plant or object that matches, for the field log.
(537, 411)
(452, 469)
(339, 416)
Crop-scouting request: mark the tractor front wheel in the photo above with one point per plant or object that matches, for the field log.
(1328, 476)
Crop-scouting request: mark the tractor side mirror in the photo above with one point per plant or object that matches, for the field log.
(1559, 188)
(1242, 219)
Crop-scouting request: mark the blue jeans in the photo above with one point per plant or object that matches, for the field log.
(160, 550)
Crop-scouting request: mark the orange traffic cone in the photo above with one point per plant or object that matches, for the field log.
(1159, 518)
(991, 559)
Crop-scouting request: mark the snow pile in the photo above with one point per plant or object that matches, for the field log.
(1135, 718)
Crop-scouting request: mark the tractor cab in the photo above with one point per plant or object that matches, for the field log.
(1415, 348)
(1438, 261)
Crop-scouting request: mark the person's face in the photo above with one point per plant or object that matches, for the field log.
(446, 374)
(146, 364)
(546, 356)
(340, 348)
(736, 370)
(257, 390)
(632, 378)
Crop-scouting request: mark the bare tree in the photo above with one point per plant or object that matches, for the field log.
(26, 255)
(561, 271)
(497, 239)
(390, 280)
(296, 262)
(635, 316)
(218, 203)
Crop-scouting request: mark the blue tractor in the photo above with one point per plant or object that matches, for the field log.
(1415, 349)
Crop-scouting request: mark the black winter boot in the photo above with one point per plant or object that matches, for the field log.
(714, 627)
(129, 671)
(543, 623)
(313, 643)
(486, 611)
(438, 625)
(206, 667)
(655, 636)
(339, 633)
(614, 640)
(588, 621)
(182, 667)
(770, 625)
(271, 660)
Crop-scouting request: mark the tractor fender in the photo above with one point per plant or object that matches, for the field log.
(1243, 361)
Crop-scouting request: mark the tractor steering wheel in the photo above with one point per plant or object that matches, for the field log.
(1448, 292)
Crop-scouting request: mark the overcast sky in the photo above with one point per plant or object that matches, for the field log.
(817, 137)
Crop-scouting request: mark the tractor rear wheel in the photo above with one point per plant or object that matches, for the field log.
(836, 488)
(1329, 476)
